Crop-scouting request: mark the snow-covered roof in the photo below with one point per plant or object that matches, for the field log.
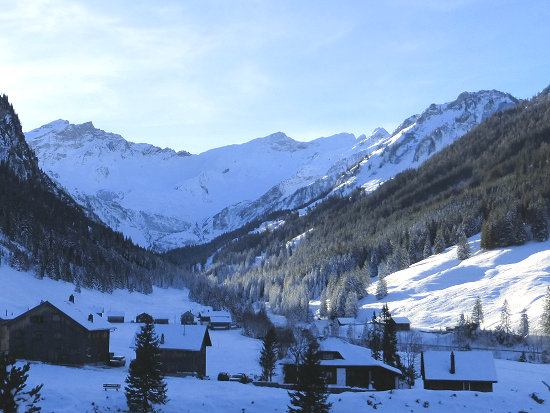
(81, 316)
(469, 365)
(182, 337)
(401, 320)
(344, 321)
(115, 314)
(352, 355)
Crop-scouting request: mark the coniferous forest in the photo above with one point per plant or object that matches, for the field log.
(44, 230)
(493, 180)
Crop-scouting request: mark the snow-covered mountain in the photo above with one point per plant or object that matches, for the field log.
(164, 199)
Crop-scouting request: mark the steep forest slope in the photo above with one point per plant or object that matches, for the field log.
(493, 180)
(44, 229)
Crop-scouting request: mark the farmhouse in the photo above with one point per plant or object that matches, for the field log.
(216, 319)
(183, 348)
(458, 370)
(187, 318)
(115, 317)
(348, 365)
(60, 334)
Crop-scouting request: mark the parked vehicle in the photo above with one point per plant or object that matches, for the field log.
(240, 377)
(117, 361)
(223, 376)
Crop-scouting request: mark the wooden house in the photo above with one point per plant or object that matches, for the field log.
(59, 334)
(402, 323)
(458, 370)
(216, 319)
(187, 318)
(183, 348)
(348, 365)
(143, 317)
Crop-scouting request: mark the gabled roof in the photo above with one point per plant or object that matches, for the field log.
(344, 321)
(74, 312)
(352, 355)
(401, 320)
(182, 337)
(115, 314)
(469, 366)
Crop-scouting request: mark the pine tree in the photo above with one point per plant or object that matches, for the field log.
(539, 226)
(375, 338)
(13, 397)
(463, 250)
(389, 339)
(504, 325)
(323, 307)
(381, 288)
(545, 317)
(310, 393)
(268, 355)
(427, 248)
(439, 242)
(145, 382)
(351, 305)
(477, 312)
(523, 329)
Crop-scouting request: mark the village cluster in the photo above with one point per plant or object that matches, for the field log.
(62, 333)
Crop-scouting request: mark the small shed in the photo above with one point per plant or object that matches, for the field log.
(115, 317)
(161, 319)
(220, 319)
(402, 323)
(458, 370)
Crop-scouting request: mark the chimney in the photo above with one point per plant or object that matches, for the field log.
(71, 298)
(91, 318)
(162, 338)
(452, 362)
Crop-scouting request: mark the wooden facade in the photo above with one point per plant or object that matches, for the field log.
(187, 318)
(45, 333)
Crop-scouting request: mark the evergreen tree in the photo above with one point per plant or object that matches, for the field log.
(381, 288)
(268, 355)
(145, 382)
(545, 317)
(523, 329)
(351, 305)
(539, 226)
(310, 395)
(504, 325)
(13, 397)
(477, 312)
(375, 338)
(439, 243)
(389, 339)
(463, 250)
(323, 307)
(427, 251)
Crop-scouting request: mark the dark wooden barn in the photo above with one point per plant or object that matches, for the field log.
(59, 334)
(348, 365)
(115, 317)
(183, 348)
(458, 370)
(187, 318)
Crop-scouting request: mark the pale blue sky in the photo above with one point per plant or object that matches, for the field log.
(200, 74)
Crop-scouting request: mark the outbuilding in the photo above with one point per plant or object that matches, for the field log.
(458, 370)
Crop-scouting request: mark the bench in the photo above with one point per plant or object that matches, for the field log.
(108, 386)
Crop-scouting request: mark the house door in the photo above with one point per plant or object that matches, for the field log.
(341, 377)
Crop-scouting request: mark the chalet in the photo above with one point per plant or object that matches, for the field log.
(183, 348)
(458, 370)
(402, 323)
(348, 365)
(187, 318)
(60, 334)
(143, 317)
(216, 319)
(115, 317)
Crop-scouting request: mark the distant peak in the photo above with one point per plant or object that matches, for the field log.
(380, 132)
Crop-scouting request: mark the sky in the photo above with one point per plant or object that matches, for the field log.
(198, 74)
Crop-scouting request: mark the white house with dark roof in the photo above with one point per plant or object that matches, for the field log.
(348, 365)
(458, 370)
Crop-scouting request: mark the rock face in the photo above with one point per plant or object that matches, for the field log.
(164, 199)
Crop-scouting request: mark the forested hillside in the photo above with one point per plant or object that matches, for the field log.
(493, 180)
(43, 229)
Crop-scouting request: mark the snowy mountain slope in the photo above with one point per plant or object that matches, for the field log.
(432, 293)
(163, 199)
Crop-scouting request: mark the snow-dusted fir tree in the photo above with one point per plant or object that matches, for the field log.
(477, 312)
(381, 288)
(463, 250)
(351, 305)
(145, 382)
(389, 339)
(545, 317)
(13, 396)
(504, 325)
(439, 242)
(268, 355)
(323, 306)
(310, 393)
(427, 251)
(523, 329)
